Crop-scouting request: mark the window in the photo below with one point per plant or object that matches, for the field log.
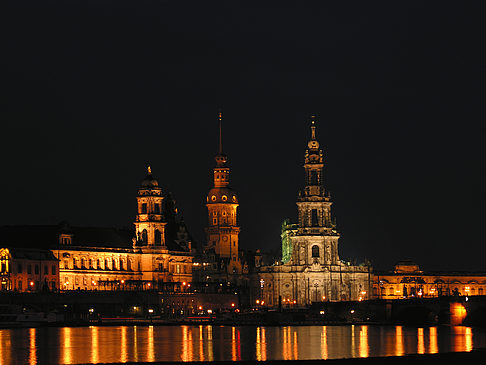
(144, 236)
(313, 177)
(215, 220)
(158, 237)
(314, 221)
(19, 268)
(53, 269)
(66, 264)
(46, 270)
(74, 263)
(20, 285)
(113, 264)
(107, 265)
(29, 269)
(144, 208)
(36, 268)
(90, 263)
(315, 251)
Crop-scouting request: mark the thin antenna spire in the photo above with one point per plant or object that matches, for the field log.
(220, 119)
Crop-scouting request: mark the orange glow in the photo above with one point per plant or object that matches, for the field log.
(420, 341)
(210, 344)
(399, 341)
(94, 344)
(123, 344)
(363, 342)
(296, 347)
(324, 353)
(150, 349)
(186, 354)
(433, 343)
(32, 347)
(261, 346)
(232, 304)
(67, 355)
(458, 313)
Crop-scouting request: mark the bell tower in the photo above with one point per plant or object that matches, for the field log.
(149, 225)
(222, 203)
(316, 236)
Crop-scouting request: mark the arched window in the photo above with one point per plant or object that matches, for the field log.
(144, 208)
(113, 264)
(315, 251)
(144, 236)
(158, 237)
(107, 264)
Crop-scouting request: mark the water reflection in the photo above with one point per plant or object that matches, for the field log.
(32, 347)
(433, 345)
(209, 343)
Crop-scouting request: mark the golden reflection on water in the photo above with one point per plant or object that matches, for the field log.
(399, 341)
(66, 347)
(187, 344)
(363, 342)
(433, 343)
(150, 350)
(236, 344)
(5, 347)
(135, 344)
(32, 347)
(286, 344)
(210, 344)
(462, 337)
(324, 354)
(94, 344)
(175, 343)
(420, 341)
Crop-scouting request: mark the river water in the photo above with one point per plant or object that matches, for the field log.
(71, 345)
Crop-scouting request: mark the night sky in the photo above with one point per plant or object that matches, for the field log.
(92, 91)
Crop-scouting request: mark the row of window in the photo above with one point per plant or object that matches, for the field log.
(106, 264)
(156, 208)
(36, 267)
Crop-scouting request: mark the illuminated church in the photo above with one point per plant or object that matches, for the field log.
(311, 270)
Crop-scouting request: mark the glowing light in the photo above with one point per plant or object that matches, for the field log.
(91, 310)
(150, 310)
(232, 304)
(210, 311)
(322, 312)
(200, 308)
(420, 341)
(257, 301)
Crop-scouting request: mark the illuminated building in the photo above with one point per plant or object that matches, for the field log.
(95, 258)
(23, 269)
(408, 281)
(311, 270)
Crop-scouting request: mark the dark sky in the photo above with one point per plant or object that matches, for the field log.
(94, 90)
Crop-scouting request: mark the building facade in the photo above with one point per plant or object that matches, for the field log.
(408, 281)
(157, 254)
(27, 270)
(311, 270)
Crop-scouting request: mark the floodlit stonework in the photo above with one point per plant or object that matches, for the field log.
(311, 270)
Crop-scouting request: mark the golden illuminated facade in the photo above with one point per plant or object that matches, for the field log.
(408, 281)
(222, 203)
(26, 270)
(311, 270)
(90, 258)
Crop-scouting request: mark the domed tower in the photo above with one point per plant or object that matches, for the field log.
(149, 227)
(222, 203)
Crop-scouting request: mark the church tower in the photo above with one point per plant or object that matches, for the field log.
(316, 240)
(149, 225)
(222, 203)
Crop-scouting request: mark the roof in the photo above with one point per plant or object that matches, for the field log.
(31, 254)
(47, 236)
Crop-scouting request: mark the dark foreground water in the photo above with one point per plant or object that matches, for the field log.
(71, 345)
